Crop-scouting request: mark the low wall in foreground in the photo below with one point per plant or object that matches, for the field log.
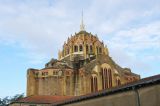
(147, 96)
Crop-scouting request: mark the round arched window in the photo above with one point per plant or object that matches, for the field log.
(80, 48)
(75, 48)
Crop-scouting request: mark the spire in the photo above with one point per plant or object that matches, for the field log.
(82, 26)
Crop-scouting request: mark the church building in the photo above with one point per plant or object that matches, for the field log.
(83, 66)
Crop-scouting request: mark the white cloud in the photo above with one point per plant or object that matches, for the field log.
(147, 36)
(138, 47)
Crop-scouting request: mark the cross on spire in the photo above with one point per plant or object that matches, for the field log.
(82, 26)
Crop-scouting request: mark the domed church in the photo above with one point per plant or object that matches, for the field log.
(83, 66)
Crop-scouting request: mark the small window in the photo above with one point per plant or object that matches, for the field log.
(43, 73)
(75, 48)
(91, 49)
(37, 74)
(100, 50)
(80, 48)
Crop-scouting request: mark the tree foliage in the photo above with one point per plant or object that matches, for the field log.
(5, 101)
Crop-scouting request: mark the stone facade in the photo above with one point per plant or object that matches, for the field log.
(83, 66)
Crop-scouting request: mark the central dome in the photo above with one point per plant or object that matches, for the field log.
(83, 44)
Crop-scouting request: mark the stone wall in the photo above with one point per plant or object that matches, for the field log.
(146, 96)
(49, 84)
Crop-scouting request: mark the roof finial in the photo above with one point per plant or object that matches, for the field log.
(82, 26)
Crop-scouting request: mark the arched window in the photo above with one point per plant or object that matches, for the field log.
(118, 82)
(100, 50)
(110, 77)
(75, 48)
(106, 78)
(91, 49)
(80, 48)
(94, 84)
(102, 71)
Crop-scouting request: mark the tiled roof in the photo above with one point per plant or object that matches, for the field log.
(40, 99)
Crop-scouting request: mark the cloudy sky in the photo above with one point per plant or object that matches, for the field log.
(32, 31)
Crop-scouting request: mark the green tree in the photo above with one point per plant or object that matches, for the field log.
(7, 100)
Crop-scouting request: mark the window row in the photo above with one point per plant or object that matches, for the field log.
(54, 73)
(106, 75)
(89, 49)
(106, 80)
